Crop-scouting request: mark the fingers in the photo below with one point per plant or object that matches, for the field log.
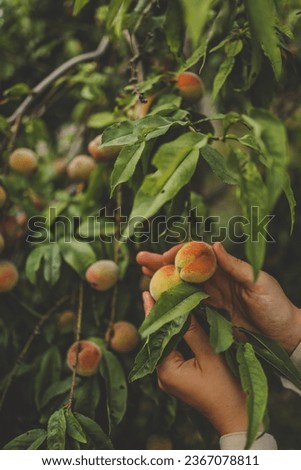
(147, 272)
(148, 302)
(242, 272)
(151, 261)
(169, 256)
(198, 341)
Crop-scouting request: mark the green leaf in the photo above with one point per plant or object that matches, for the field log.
(48, 373)
(78, 255)
(26, 440)
(55, 390)
(221, 337)
(78, 5)
(39, 441)
(87, 396)
(196, 16)
(126, 163)
(271, 137)
(234, 48)
(253, 198)
(155, 346)
(175, 302)
(291, 199)
(116, 386)
(100, 120)
(197, 55)
(176, 162)
(274, 355)
(74, 428)
(218, 165)
(121, 133)
(33, 263)
(56, 431)
(116, 15)
(174, 26)
(52, 264)
(254, 383)
(261, 15)
(99, 440)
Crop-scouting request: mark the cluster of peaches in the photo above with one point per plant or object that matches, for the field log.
(103, 274)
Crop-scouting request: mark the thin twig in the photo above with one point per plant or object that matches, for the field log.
(116, 258)
(58, 72)
(77, 338)
(36, 331)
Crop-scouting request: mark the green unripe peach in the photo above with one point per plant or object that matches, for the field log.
(9, 276)
(164, 279)
(190, 86)
(85, 356)
(101, 153)
(3, 196)
(80, 168)
(102, 275)
(195, 262)
(158, 442)
(23, 160)
(123, 337)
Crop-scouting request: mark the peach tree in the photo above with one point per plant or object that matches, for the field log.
(180, 125)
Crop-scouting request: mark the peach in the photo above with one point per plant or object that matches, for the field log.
(158, 442)
(13, 226)
(80, 168)
(2, 243)
(9, 276)
(123, 337)
(85, 356)
(23, 160)
(195, 262)
(66, 321)
(100, 153)
(103, 274)
(163, 279)
(190, 86)
(3, 196)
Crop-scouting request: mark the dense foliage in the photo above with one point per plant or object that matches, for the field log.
(185, 169)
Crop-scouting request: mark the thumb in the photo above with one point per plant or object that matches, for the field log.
(241, 271)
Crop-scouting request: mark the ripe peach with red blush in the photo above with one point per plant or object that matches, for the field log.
(195, 262)
(190, 86)
(85, 356)
(102, 275)
(164, 279)
(9, 276)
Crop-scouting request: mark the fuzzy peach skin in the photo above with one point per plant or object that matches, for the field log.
(66, 321)
(190, 86)
(80, 168)
(88, 359)
(102, 275)
(102, 153)
(9, 276)
(23, 160)
(195, 262)
(123, 337)
(163, 279)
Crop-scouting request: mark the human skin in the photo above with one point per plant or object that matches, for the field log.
(260, 306)
(205, 382)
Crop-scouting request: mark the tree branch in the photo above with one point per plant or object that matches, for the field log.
(36, 331)
(58, 72)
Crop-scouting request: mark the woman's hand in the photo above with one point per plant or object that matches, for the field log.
(261, 306)
(204, 382)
